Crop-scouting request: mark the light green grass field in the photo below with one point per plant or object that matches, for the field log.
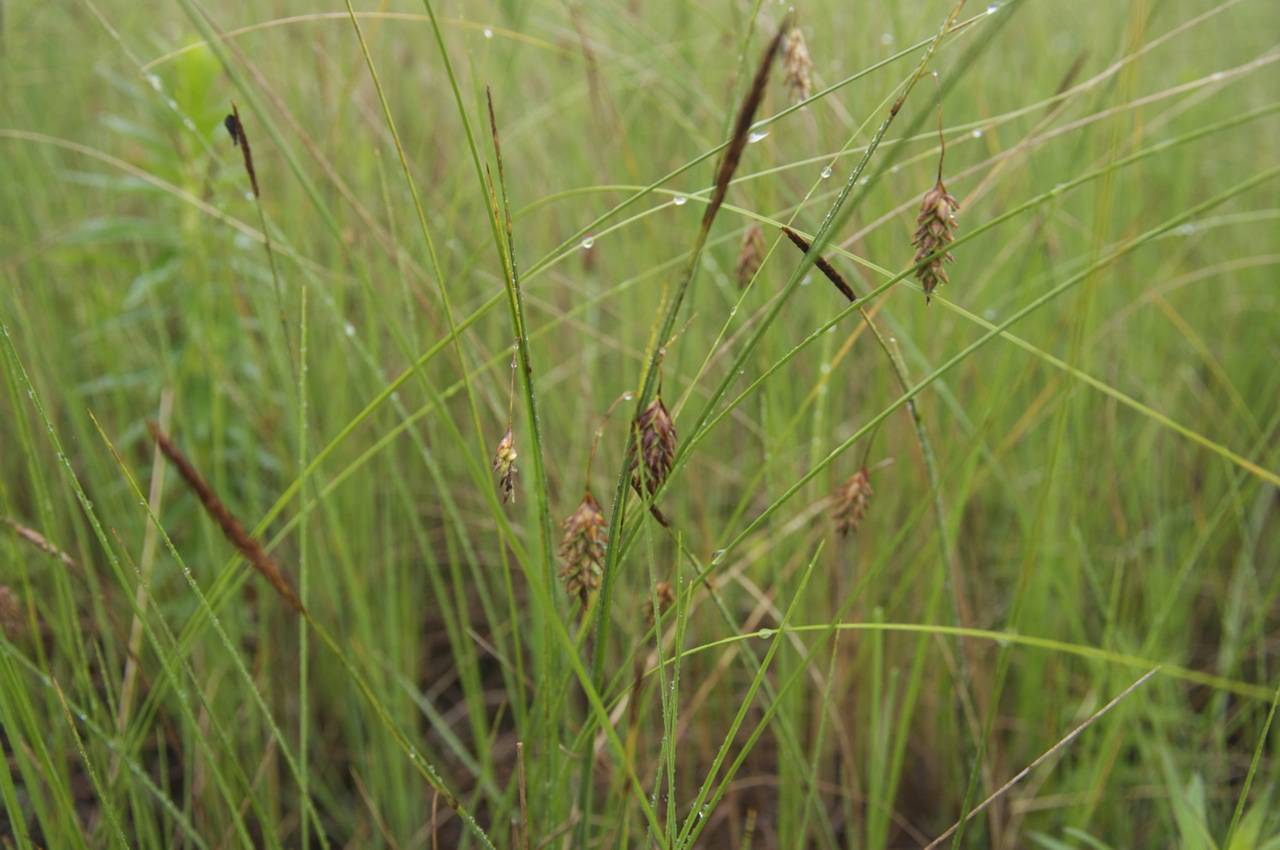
(1074, 449)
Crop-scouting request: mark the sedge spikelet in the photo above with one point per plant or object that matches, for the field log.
(504, 463)
(850, 502)
(797, 66)
(750, 255)
(235, 127)
(935, 230)
(250, 548)
(582, 548)
(656, 437)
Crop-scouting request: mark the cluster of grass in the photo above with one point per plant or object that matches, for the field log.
(1045, 612)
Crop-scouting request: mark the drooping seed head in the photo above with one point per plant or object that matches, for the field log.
(504, 463)
(656, 439)
(750, 255)
(850, 502)
(935, 230)
(796, 66)
(582, 548)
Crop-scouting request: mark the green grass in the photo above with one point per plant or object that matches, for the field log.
(1075, 449)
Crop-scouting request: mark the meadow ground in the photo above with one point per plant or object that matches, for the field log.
(448, 429)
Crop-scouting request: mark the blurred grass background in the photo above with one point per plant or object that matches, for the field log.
(1105, 497)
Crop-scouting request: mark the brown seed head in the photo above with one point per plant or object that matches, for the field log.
(935, 230)
(850, 502)
(504, 463)
(582, 548)
(751, 254)
(796, 66)
(235, 127)
(250, 547)
(11, 620)
(656, 438)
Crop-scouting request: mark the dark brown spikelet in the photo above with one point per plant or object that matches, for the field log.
(236, 128)
(797, 66)
(248, 546)
(850, 502)
(582, 548)
(750, 255)
(741, 130)
(656, 438)
(935, 230)
(11, 620)
(504, 463)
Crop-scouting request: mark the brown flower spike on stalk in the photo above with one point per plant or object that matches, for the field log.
(935, 226)
(656, 437)
(850, 502)
(750, 255)
(236, 129)
(249, 547)
(796, 66)
(504, 463)
(582, 547)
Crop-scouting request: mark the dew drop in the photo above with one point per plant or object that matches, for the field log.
(806, 280)
(155, 82)
(864, 181)
(887, 38)
(825, 368)
(765, 633)
(628, 395)
(248, 196)
(977, 134)
(189, 124)
(826, 172)
(1186, 229)
(349, 329)
(993, 8)
(488, 33)
(893, 170)
(755, 137)
(171, 103)
(679, 200)
(588, 243)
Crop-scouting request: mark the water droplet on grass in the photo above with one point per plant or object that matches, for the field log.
(977, 134)
(826, 172)
(349, 329)
(679, 200)
(488, 33)
(588, 243)
(755, 137)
